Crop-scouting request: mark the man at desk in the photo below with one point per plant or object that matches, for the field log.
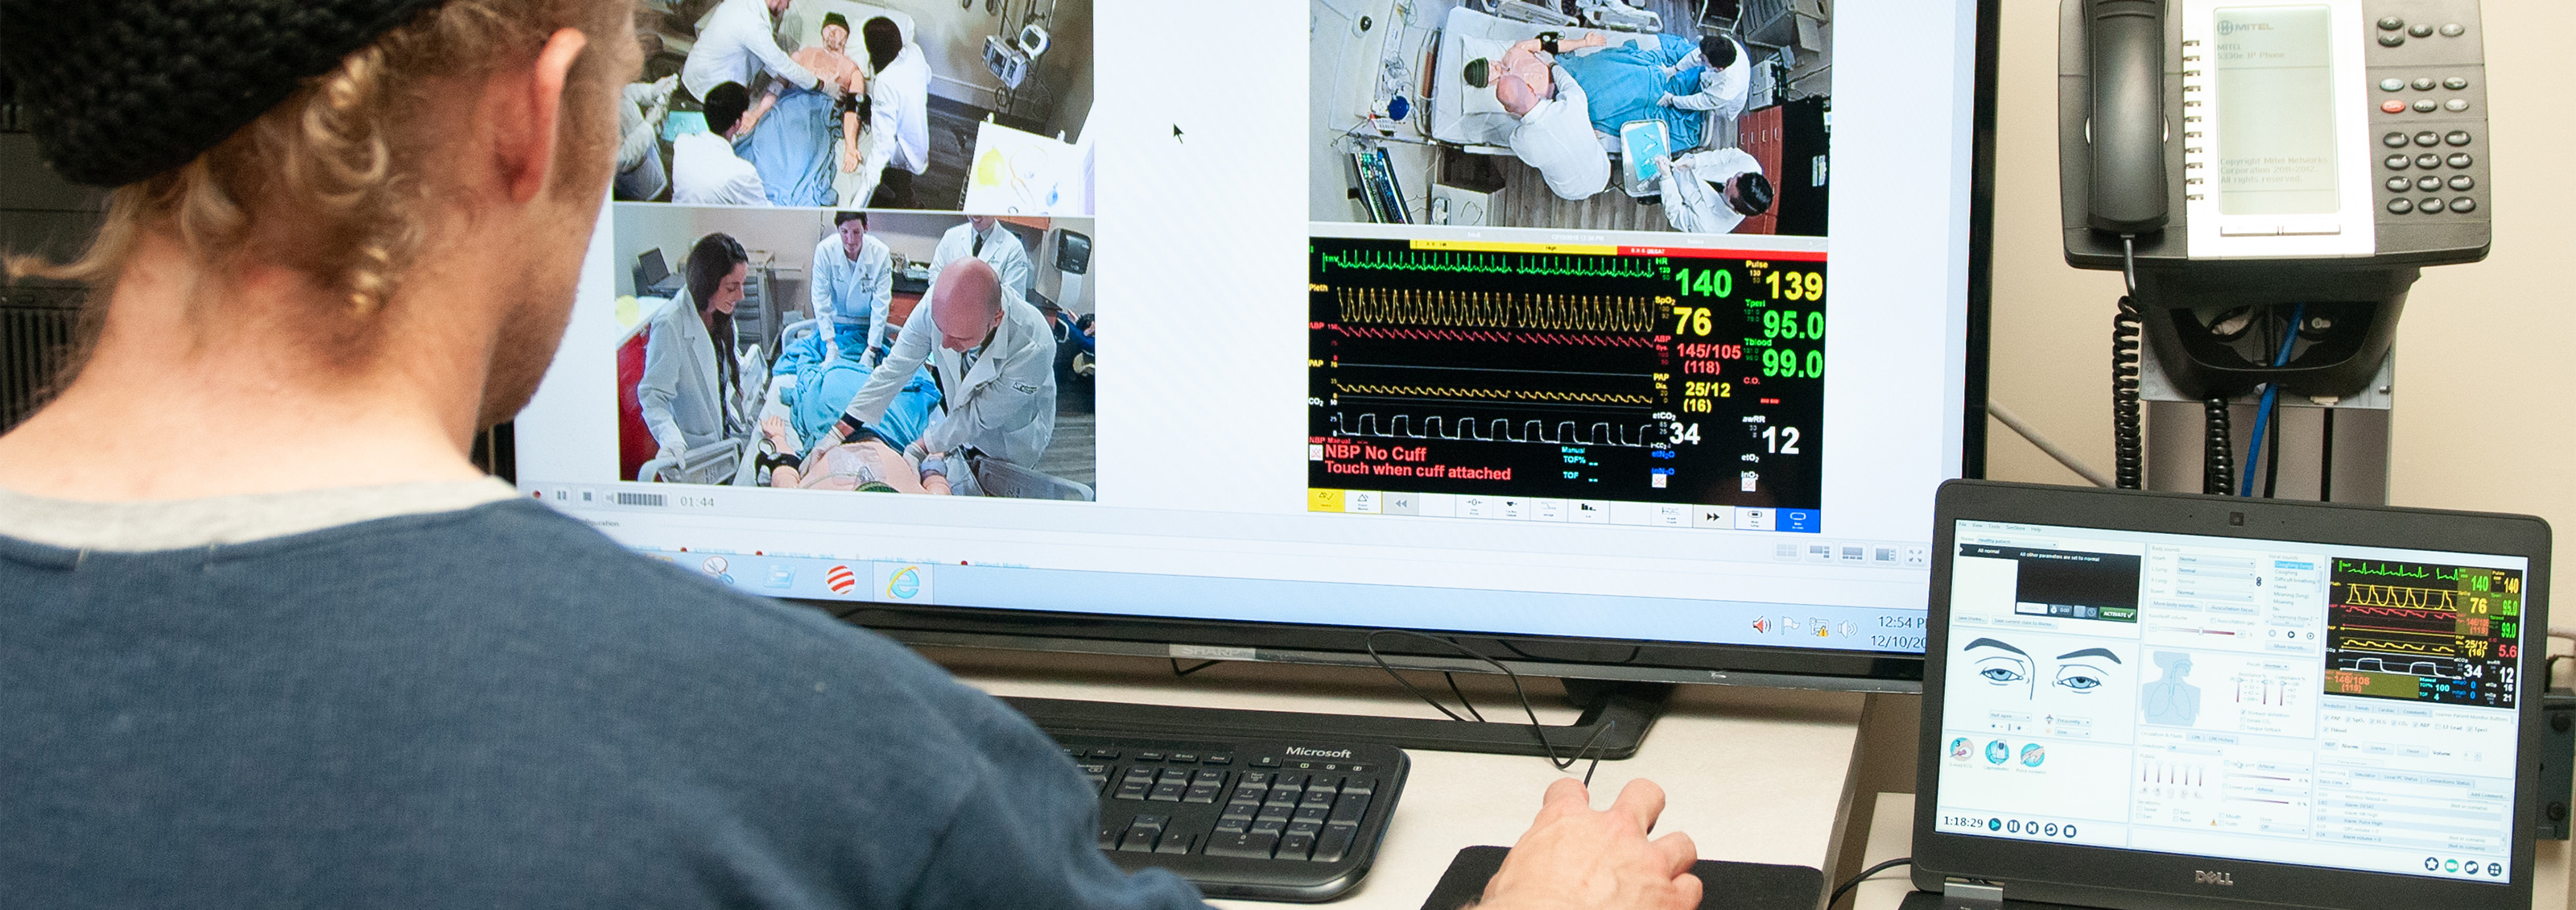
(853, 282)
(220, 687)
(739, 43)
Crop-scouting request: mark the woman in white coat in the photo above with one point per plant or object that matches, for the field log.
(690, 371)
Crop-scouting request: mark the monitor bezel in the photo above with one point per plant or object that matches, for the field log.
(2037, 871)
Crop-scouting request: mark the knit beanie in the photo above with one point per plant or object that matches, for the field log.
(119, 91)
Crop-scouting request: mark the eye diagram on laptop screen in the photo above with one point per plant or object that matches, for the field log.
(2425, 632)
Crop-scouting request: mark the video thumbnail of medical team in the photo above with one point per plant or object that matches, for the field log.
(1638, 117)
(805, 349)
(902, 104)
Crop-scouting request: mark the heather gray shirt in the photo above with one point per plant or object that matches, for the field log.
(424, 696)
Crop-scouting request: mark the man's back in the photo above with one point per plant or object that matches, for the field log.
(497, 707)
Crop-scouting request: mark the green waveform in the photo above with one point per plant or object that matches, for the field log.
(2396, 570)
(1488, 263)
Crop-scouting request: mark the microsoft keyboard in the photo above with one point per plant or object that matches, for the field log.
(1256, 819)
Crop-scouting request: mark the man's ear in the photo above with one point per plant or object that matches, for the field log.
(526, 111)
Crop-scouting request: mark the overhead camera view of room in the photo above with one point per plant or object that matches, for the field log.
(1644, 115)
(856, 351)
(903, 104)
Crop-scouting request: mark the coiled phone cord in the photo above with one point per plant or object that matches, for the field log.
(2127, 362)
(2218, 469)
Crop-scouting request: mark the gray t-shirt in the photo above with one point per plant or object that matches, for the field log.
(426, 697)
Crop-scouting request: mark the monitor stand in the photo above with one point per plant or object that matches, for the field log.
(1615, 718)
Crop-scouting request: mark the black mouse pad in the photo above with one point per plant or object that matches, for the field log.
(1734, 886)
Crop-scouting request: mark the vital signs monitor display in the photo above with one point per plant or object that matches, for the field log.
(1645, 327)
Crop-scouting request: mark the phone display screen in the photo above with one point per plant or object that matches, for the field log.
(2276, 116)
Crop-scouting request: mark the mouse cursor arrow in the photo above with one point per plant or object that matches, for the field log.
(1176, 134)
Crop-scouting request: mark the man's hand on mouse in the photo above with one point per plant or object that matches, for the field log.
(1573, 857)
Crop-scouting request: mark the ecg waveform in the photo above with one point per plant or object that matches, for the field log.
(1585, 266)
(1483, 309)
(2429, 633)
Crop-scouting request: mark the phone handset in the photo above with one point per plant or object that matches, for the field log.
(2127, 127)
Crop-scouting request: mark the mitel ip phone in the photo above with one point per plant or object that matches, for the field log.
(2271, 175)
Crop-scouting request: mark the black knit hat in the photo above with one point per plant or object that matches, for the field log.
(119, 91)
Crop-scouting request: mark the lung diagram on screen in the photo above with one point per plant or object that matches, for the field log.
(2418, 632)
(1586, 374)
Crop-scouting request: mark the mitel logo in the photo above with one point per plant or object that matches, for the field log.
(1303, 752)
(2199, 877)
(2226, 28)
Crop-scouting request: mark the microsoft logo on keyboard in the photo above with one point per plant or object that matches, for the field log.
(1303, 752)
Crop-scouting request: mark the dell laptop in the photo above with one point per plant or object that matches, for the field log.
(2140, 700)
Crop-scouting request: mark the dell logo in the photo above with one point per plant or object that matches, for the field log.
(2213, 878)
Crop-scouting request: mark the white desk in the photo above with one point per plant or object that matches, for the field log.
(1891, 835)
(1754, 775)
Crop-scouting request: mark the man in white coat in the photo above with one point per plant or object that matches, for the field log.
(983, 237)
(704, 168)
(994, 359)
(1713, 191)
(853, 287)
(739, 44)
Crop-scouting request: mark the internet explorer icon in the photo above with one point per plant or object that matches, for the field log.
(905, 585)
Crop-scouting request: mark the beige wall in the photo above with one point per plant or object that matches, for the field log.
(2484, 352)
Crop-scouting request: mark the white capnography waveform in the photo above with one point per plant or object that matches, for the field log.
(1499, 429)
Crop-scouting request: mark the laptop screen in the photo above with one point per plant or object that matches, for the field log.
(2274, 701)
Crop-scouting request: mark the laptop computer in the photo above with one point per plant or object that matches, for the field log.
(2147, 701)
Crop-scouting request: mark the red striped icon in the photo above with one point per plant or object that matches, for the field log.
(841, 580)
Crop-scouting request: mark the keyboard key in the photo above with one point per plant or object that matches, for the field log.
(1335, 843)
(1351, 808)
(1184, 758)
(1139, 840)
(1305, 827)
(1233, 826)
(1242, 846)
(1251, 794)
(1296, 846)
(1167, 793)
(1313, 813)
(1278, 813)
(1200, 793)
(1104, 753)
(1240, 811)
(1268, 826)
(1174, 776)
(1267, 761)
(1363, 769)
(1257, 778)
(1149, 756)
(1362, 785)
(1318, 797)
(1219, 758)
(1132, 788)
(1207, 778)
(1176, 844)
(1109, 836)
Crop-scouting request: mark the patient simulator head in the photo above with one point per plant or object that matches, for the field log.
(1718, 50)
(854, 231)
(1480, 72)
(836, 32)
(315, 155)
(1516, 96)
(884, 40)
(724, 105)
(1748, 193)
(967, 305)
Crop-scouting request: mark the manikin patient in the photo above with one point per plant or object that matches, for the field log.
(862, 464)
(830, 61)
(1530, 61)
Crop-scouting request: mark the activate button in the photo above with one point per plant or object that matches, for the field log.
(1799, 521)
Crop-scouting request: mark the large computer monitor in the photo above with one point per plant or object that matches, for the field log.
(1423, 355)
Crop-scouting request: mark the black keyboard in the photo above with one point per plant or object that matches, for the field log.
(1248, 818)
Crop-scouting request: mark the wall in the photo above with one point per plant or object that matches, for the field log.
(2481, 354)
(952, 37)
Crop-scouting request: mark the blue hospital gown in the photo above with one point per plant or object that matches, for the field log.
(1623, 83)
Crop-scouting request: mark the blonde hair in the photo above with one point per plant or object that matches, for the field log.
(329, 182)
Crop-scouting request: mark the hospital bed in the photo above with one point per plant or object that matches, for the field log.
(1490, 132)
(853, 188)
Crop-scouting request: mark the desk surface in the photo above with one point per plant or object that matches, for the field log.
(1753, 775)
(1891, 835)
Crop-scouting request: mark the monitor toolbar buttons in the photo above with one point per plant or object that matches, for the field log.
(1588, 511)
(1754, 519)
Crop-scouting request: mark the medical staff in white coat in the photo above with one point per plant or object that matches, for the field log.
(1555, 136)
(994, 359)
(899, 110)
(739, 44)
(1725, 77)
(983, 237)
(853, 287)
(704, 168)
(690, 373)
(1713, 191)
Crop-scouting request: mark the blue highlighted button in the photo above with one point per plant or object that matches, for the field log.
(1801, 521)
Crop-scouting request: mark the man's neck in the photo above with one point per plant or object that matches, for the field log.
(171, 405)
